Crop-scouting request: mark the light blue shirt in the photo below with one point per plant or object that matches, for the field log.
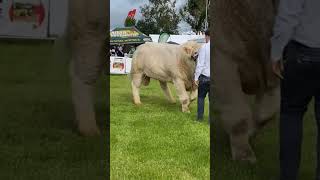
(203, 62)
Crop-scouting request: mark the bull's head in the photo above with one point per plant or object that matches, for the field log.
(191, 48)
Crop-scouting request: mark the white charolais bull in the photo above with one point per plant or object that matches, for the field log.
(166, 63)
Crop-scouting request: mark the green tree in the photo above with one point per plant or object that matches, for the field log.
(129, 22)
(194, 13)
(159, 16)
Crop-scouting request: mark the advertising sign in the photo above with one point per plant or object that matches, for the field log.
(117, 65)
(120, 65)
(26, 18)
(128, 35)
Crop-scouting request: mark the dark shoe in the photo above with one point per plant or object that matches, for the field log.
(200, 119)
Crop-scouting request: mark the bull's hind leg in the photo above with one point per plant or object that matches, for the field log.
(167, 92)
(233, 106)
(183, 95)
(266, 107)
(136, 84)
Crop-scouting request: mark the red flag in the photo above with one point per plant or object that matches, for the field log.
(132, 13)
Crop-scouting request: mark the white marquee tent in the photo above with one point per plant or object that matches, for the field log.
(179, 38)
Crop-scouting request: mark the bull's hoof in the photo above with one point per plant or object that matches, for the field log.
(262, 123)
(191, 100)
(246, 154)
(186, 110)
(89, 131)
(137, 103)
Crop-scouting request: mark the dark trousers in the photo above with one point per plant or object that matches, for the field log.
(203, 90)
(301, 83)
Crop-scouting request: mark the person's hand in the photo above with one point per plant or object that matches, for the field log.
(277, 68)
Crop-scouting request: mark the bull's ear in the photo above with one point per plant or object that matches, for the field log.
(188, 50)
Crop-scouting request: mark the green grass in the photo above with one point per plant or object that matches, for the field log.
(38, 137)
(266, 147)
(155, 140)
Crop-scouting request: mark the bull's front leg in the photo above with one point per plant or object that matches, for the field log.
(86, 67)
(87, 39)
(266, 107)
(193, 94)
(82, 98)
(235, 111)
(183, 95)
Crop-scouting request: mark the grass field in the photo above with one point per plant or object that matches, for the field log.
(156, 140)
(38, 137)
(265, 145)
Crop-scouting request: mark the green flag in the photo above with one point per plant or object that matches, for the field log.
(163, 37)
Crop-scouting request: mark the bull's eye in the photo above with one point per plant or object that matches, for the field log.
(195, 55)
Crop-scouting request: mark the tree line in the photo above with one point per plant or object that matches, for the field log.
(162, 16)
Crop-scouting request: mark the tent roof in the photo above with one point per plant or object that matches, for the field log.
(128, 35)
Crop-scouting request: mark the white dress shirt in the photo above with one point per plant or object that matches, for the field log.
(203, 62)
(296, 20)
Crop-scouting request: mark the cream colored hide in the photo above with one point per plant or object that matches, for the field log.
(166, 63)
(87, 34)
(241, 68)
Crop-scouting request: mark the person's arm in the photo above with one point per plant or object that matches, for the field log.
(200, 63)
(286, 21)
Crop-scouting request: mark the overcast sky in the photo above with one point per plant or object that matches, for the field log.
(119, 10)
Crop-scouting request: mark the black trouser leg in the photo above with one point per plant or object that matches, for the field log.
(317, 114)
(297, 89)
(203, 90)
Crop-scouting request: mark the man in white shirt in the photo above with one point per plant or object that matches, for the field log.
(295, 53)
(202, 75)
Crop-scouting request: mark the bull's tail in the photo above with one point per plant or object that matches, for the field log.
(145, 80)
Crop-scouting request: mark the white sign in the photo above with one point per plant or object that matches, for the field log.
(117, 65)
(128, 65)
(120, 65)
(26, 18)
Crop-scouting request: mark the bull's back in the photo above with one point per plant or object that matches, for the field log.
(155, 57)
(155, 60)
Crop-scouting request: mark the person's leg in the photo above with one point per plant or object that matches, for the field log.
(201, 97)
(296, 93)
(317, 114)
(208, 93)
